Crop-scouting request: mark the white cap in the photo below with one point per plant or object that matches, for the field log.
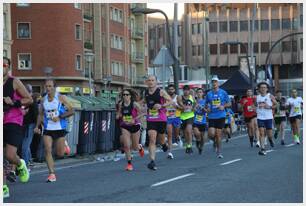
(215, 78)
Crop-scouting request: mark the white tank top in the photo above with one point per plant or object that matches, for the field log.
(262, 113)
(52, 109)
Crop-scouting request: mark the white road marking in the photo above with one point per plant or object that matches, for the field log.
(289, 145)
(172, 179)
(229, 162)
(271, 150)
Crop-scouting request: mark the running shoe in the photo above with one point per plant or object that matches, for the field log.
(152, 166)
(141, 151)
(164, 147)
(51, 178)
(271, 142)
(23, 172)
(296, 139)
(258, 144)
(6, 191)
(174, 144)
(219, 155)
(262, 152)
(282, 142)
(180, 143)
(129, 167)
(170, 155)
(11, 176)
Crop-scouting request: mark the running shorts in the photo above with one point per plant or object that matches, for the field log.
(267, 123)
(12, 134)
(132, 128)
(159, 127)
(279, 120)
(248, 119)
(292, 119)
(186, 122)
(216, 123)
(201, 127)
(55, 134)
(176, 122)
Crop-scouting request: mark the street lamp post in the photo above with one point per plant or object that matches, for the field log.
(240, 43)
(89, 58)
(176, 62)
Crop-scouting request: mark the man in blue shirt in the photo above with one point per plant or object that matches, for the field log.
(216, 101)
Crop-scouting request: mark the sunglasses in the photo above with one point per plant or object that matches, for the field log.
(126, 94)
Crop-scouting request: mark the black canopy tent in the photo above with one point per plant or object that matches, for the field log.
(237, 84)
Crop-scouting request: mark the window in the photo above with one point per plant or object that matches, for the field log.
(121, 16)
(234, 49)
(117, 42)
(286, 45)
(77, 5)
(212, 26)
(244, 48)
(223, 49)
(264, 25)
(275, 24)
(213, 49)
(301, 21)
(4, 52)
(286, 24)
(78, 62)
(24, 31)
(199, 50)
(233, 26)
(4, 25)
(179, 51)
(78, 32)
(277, 47)
(194, 50)
(199, 28)
(22, 5)
(255, 48)
(256, 25)
(24, 61)
(179, 30)
(294, 45)
(223, 26)
(295, 24)
(264, 47)
(244, 25)
(193, 28)
(116, 15)
(117, 68)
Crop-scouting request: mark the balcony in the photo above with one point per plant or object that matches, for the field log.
(137, 57)
(137, 33)
(88, 16)
(88, 45)
(137, 5)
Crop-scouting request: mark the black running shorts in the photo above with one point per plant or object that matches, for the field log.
(132, 129)
(159, 127)
(55, 134)
(12, 134)
(216, 123)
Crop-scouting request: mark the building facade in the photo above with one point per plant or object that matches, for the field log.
(78, 41)
(232, 22)
(7, 32)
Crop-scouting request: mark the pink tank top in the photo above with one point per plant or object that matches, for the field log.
(14, 115)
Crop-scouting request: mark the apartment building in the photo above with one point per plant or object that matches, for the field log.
(7, 33)
(72, 42)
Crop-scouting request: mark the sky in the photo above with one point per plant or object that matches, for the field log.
(168, 8)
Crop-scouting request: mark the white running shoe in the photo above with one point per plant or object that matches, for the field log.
(180, 143)
(170, 155)
(174, 144)
(258, 144)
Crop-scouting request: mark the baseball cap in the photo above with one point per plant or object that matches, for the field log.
(215, 78)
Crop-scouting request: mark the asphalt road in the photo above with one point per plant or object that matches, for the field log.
(241, 176)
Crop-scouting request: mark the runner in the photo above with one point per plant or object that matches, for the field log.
(249, 113)
(53, 113)
(216, 101)
(187, 103)
(129, 113)
(15, 96)
(228, 120)
(295, 104)
(173, 120)
(265, 103)
(199, 124)
(280, 116)
(157, 100)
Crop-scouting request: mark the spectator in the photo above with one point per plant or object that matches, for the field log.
(29, 120)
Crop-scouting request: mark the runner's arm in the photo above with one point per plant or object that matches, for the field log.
(68, 105)
(22, 91)
(274, 103)
(180, 102)
(40, 118)
(139, 112)
(166, 96)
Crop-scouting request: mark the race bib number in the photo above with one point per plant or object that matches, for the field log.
(296, 109)
(127, 118)
(153, 113)
(188, 109)
(216, 103)
(199, 118)
(171, 113)
(51, 114)
(250, 108)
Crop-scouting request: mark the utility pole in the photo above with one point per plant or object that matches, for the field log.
(253, 63)
(206, 48)
(175, 49)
